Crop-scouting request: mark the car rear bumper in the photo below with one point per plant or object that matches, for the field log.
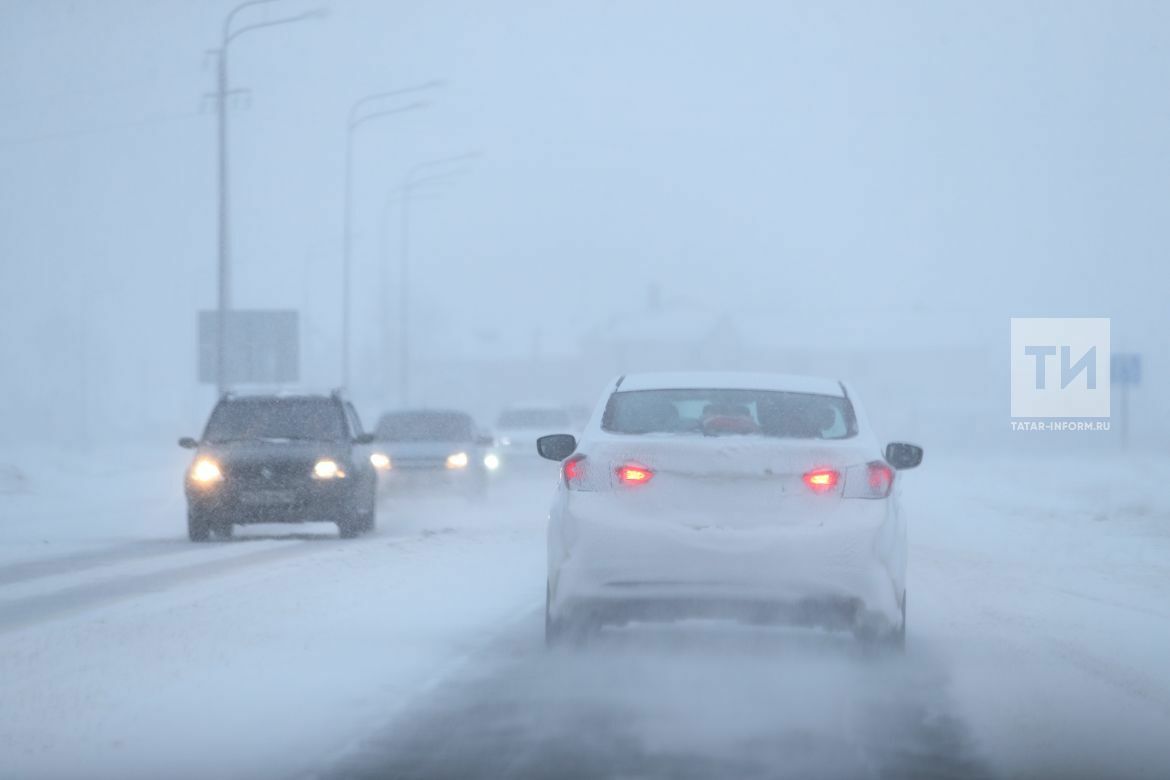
(849, 572)
(822, 612)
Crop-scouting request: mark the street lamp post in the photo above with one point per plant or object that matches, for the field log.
(223, 295)
(356, 119)
(409, 182)
(384, 284)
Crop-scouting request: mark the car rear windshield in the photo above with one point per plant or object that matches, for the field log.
(731, 412)
(315, 419)
(425, 426)
(544, 419)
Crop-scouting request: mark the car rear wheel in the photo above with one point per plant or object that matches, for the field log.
(566, 630)
(223, 530)
(898, 637)
(553, 631)
(893, 639)
(198, 528)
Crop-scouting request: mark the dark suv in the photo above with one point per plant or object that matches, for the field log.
(280, 459)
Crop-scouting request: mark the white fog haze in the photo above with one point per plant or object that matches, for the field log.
(570, 204)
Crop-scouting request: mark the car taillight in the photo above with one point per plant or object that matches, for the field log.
(873, 480)
(633, 474)
(822, 480)
(573, 471)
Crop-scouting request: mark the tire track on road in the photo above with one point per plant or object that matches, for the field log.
(671, 703)
(22, 612)
(67, 564)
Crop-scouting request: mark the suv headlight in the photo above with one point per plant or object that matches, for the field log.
(327, 469)
(380, 461)
(206, 471)
(457, 461)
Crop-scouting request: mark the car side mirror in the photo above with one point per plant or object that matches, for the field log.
(901, 455)
(485, 441)
(364, 438)
(557, 446)
(188, 443)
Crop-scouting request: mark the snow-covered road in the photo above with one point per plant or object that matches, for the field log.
(261, 656)
(1039, 639)
(690, 701)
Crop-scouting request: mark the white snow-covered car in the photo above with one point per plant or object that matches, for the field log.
(754, 497)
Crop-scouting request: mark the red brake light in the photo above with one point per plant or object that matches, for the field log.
(822, 480)
(872, 480)
(574, 470)
(633, 474)
(881, 478)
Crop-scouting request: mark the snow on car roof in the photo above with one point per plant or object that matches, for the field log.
(278, 391)
(425, 412)
(736, 380)
(535, 406)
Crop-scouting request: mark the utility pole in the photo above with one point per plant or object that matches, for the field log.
(223, 290)
(394, 196)
(409, 183)
(223, 293)
(404, 298)
(358, 116)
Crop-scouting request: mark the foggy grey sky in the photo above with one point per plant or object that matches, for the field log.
(962, 161)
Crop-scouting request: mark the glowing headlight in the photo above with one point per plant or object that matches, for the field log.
(491, 461)
(327, 469)
(206, 471)
(380, 461)
(457, 461)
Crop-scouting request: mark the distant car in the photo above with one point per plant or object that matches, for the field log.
(280, 459)
(518, 428)
(757, 497)
(434, 451)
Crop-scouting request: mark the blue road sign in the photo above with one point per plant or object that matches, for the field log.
(1126, 368)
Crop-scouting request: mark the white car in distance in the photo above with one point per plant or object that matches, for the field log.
(762, 498)
(520, 425)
